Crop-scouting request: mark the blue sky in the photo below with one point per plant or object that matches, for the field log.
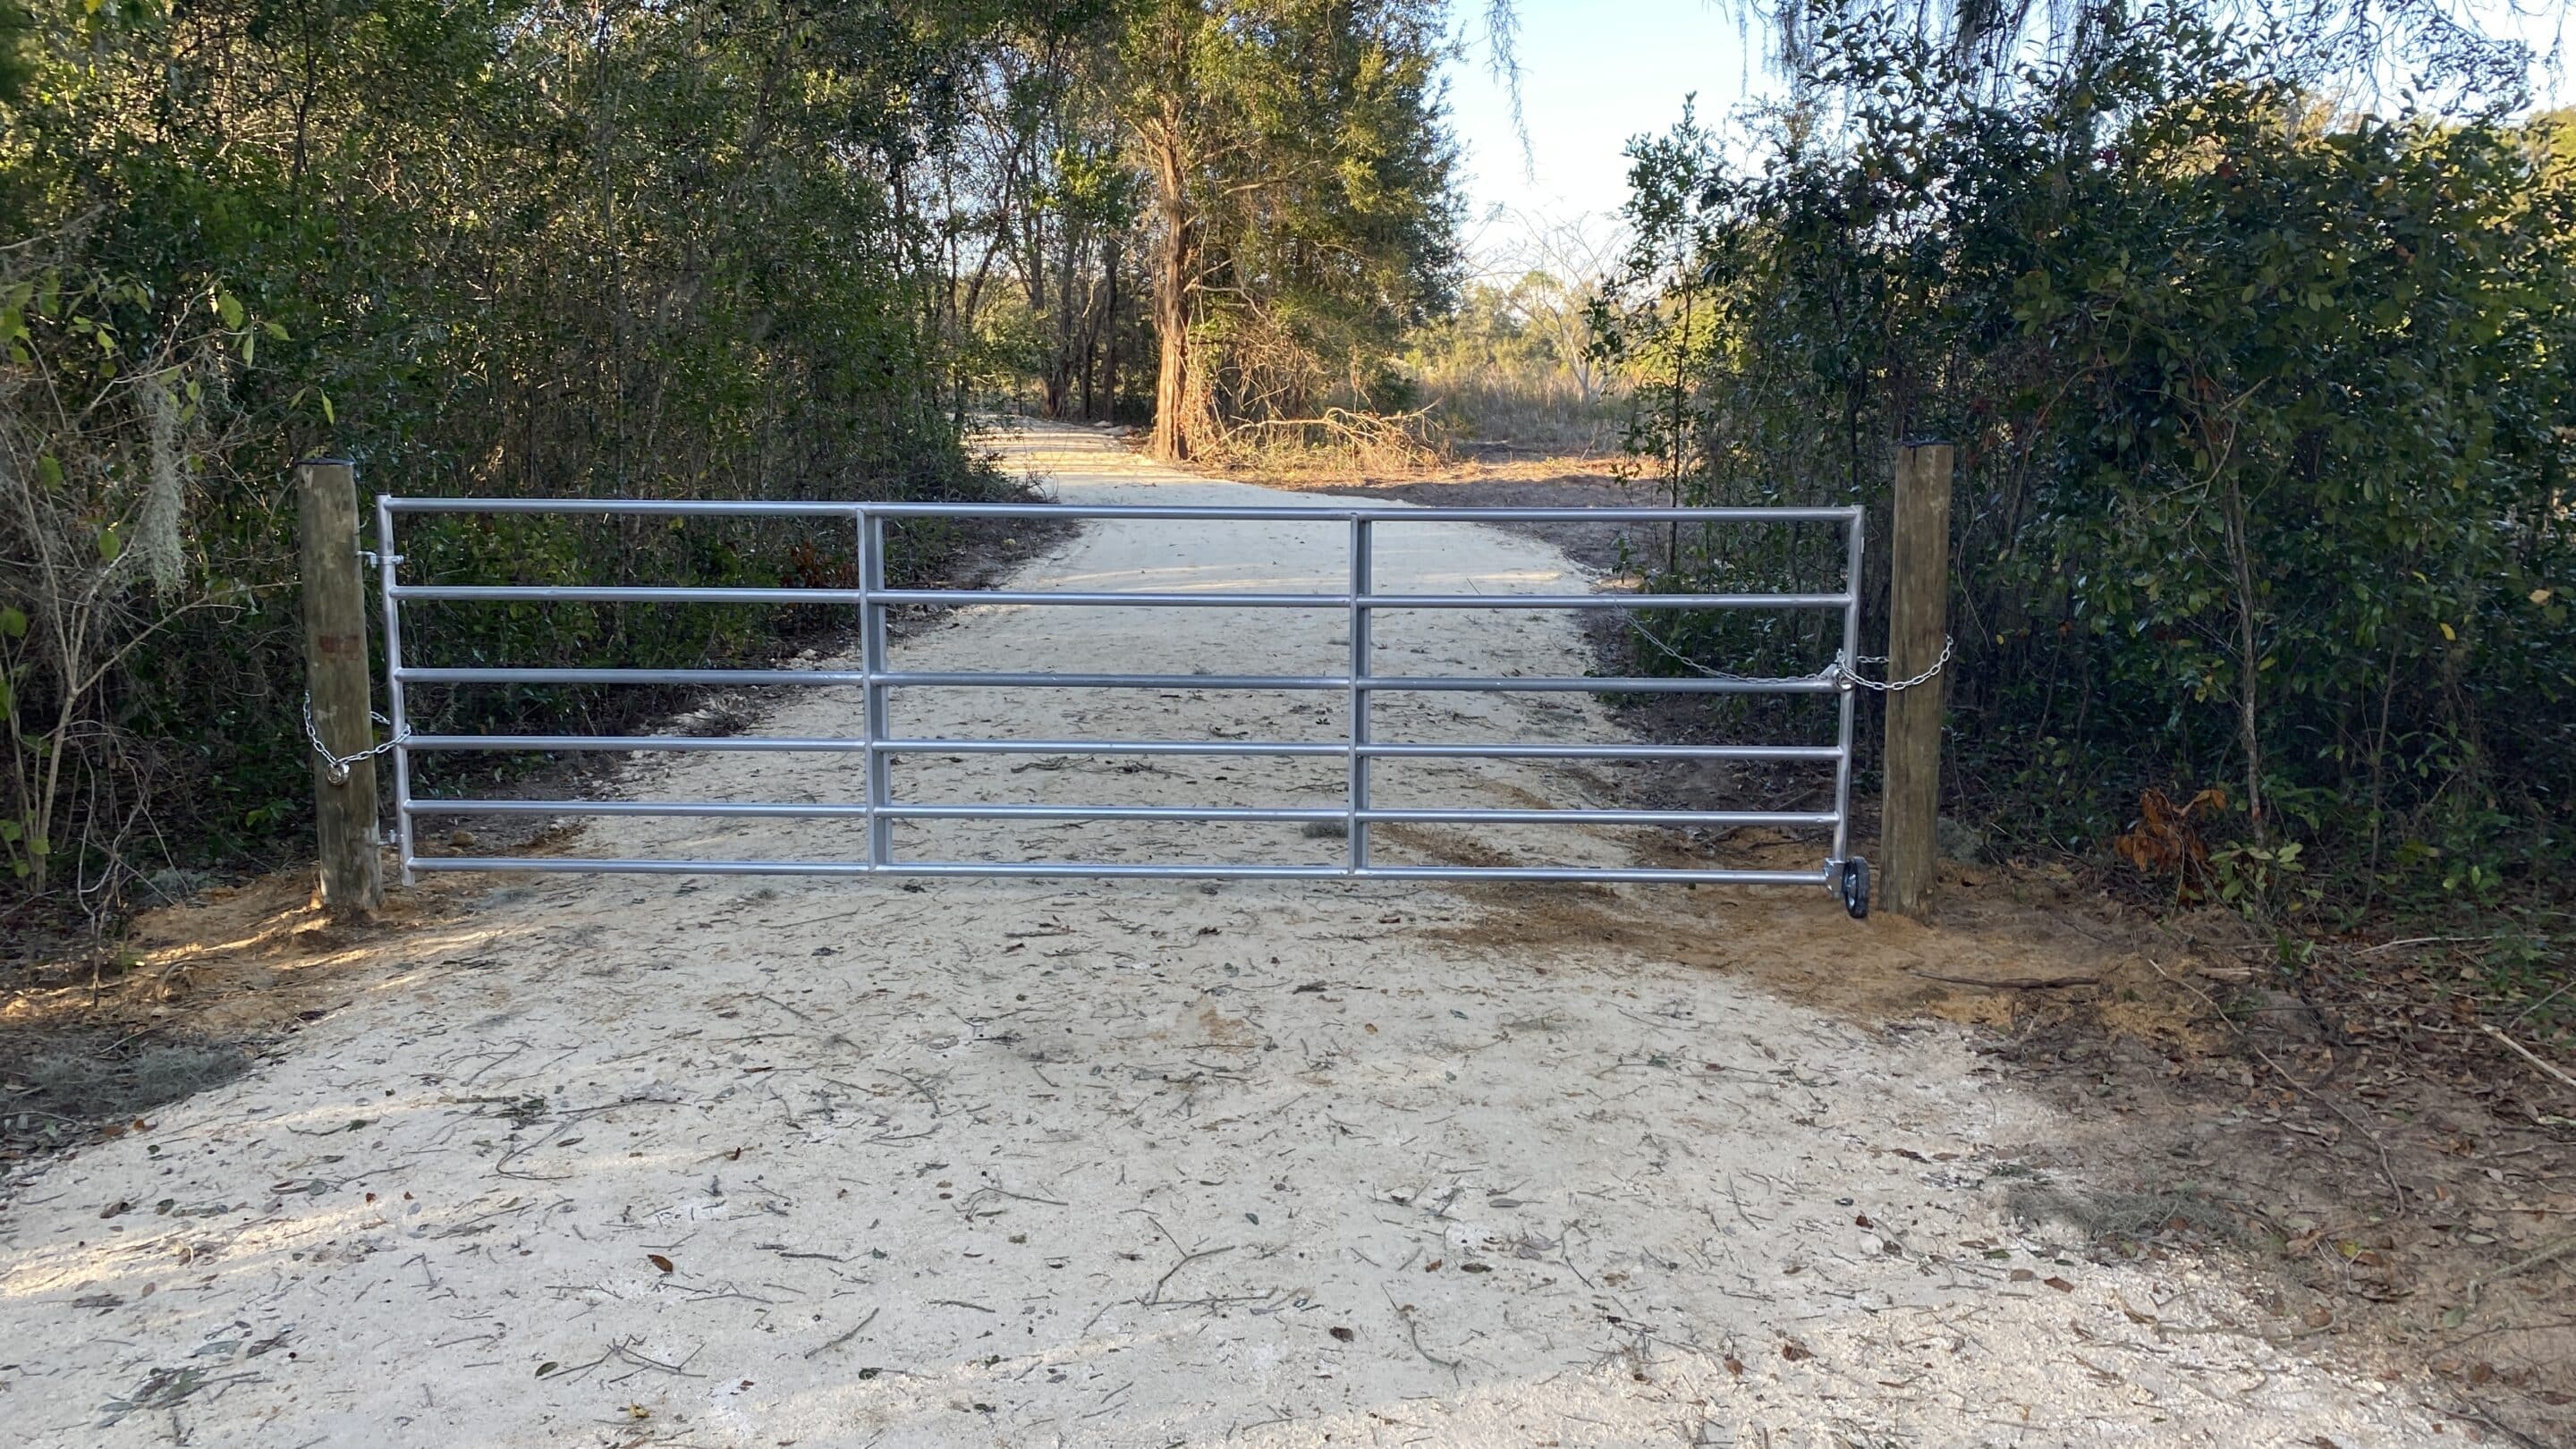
(1592, 75)
(1596, 72)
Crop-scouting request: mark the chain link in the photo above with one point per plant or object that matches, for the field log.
(1843, 676)
(1849, 678)
(337, 770)
(1705, 671)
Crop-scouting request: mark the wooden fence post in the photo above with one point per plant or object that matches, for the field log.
(1918, 618)
(335, 672)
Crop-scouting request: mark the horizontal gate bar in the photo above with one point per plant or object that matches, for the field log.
(1542, 683)
(1818, 876)
(748, 744)
(1334, 750)
(834, 677)
(1206, 599)
(641, 507)
(1289, 513)
(1609, 684)
(1604, 601)
(839, 745)
(1603, 752)
(619, 594)
(1576, 816)
(783, 744)
(782, 810)
(778, 810)
(651, 809)
(1177, 682)
(575, 865)
(412, 674)
(1380, 515)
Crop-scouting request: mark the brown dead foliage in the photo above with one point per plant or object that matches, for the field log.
(2165, 839)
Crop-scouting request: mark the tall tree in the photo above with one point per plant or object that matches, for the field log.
(1302, 202)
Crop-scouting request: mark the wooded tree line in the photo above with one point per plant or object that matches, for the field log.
(2265, 414)
(1267, 185)
(743, 248)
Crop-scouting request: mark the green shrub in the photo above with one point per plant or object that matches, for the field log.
(2265, 420)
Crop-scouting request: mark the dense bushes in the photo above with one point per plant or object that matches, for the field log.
(2265, 415)
(503, 248)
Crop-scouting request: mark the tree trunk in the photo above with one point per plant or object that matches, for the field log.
(2249, 660)
(1172, 289)
(1088, 372)
(1060, 361)
(1109, 361)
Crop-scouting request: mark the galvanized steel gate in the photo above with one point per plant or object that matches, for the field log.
(876, 678)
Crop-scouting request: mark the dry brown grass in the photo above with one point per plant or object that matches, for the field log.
(1543, 414)
(1473, 425)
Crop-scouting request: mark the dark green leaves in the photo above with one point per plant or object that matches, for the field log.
(2266, 420)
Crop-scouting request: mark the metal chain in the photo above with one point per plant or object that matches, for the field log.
(1851, 677)
(338, 771)
(1843, 676)
(1696, 667)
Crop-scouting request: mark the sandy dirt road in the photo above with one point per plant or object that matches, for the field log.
(752, 1162)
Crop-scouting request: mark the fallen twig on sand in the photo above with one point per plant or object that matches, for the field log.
(2477, 1415)
(2525, 1053)
(1155, 1295)
(622, 1350)
(2419, 941)
(167, 1389)
(1413, 1335)
(846, 1337)
(968, 1204)
(2545, 1256)
(563, 1119)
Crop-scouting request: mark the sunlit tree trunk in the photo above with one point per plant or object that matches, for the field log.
(1173, 286)
(1109, 325)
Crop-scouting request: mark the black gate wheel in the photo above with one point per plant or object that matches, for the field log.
(1856, 887)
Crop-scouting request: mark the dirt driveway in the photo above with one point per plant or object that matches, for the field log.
(775, 1162)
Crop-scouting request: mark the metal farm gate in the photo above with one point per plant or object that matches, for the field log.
(877, 679)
